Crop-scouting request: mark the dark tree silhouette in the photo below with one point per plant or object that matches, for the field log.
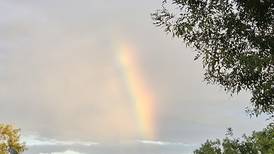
(260, 142)
(234, 39)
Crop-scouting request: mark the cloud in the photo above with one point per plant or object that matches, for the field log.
(163, 143)
(37, 141)
(65, 152)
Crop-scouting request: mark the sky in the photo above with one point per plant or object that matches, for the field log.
(90, 76)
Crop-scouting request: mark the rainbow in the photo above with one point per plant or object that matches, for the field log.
(140, 93)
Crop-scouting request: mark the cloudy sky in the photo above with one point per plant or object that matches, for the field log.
(96, 76)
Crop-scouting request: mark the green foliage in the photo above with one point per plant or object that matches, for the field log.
(233, 38)
(261, 142)
(10, 139)
(209, 147)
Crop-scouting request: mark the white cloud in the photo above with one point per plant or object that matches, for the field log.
(36, 141)
(65, 152)
(163, 143)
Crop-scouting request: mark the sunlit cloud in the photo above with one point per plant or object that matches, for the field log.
(65, 152)
(37, 141)
(163, 143)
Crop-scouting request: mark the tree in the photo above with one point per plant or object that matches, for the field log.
(261, 142)
(233, 38)
(209, 147)
(10, 140)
